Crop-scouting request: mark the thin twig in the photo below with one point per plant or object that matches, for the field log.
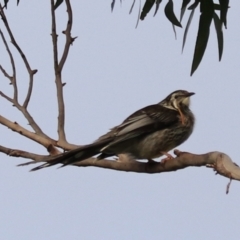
(13, 79)
(6, 97)
(59, 66)
(67, 33)
(6, 74)
(22, 108)
(20, 153)
(30, 87)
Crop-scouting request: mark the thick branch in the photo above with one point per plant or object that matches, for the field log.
(221, 163)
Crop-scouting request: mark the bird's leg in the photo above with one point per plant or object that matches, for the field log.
(169, 157)
(182, 117)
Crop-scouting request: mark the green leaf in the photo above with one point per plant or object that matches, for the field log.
(57, 4)
(146, 8)
(218, 27)
(207, 9)
(183, 8)
(171, 15)
(187, 27)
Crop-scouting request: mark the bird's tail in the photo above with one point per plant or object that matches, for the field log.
(73, 156)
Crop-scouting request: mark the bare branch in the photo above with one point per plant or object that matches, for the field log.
(14, 126)
(45, 141)
(13, 78)
(27, 65)
(20, 153)
(6, 74)
(67, 32)
(30, 87)
(22, 108)
(59, 66)
(54, 38)
(31, 121)
(13, 41)
(221, 163)
(6, 97)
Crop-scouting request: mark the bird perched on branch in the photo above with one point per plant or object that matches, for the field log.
(146, 134)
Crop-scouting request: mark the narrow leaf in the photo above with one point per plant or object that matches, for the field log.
(218, 27)
(183, 8)
(187, 27)
(5, 3)
(132, 6)
(18, 2)
(223, 11)
(57, 4)
(170, 14)
(112, 5)
(146, 8)
(157, 6)
(174, 30)
(194, 5)
(207, 9)
(139, 12)
(217, 6)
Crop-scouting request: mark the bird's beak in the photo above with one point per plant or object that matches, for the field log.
(189, 94)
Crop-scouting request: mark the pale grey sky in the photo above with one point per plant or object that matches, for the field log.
(112, 70)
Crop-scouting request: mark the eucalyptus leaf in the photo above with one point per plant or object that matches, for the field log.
(170, 14)
(183, 8)
(207, 9)
(218, 27)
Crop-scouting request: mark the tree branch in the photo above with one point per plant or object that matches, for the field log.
(58, 80)
(13, 78)
(14, 126)
(47, 142)
(67, 32)
(27, 65)
(220, 162)
(19, 153)
(5, 73)
(59, 66)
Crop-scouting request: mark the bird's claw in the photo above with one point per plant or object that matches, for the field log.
(164, 160)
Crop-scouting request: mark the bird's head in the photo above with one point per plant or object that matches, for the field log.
(177, 99)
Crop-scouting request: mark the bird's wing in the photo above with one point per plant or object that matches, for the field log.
(145, 120)
(148, 119)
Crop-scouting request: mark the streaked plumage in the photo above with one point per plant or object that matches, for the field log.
(146, 134)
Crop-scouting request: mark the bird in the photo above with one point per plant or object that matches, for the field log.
(148, 133)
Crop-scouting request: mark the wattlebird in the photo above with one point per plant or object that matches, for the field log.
(146, 134)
